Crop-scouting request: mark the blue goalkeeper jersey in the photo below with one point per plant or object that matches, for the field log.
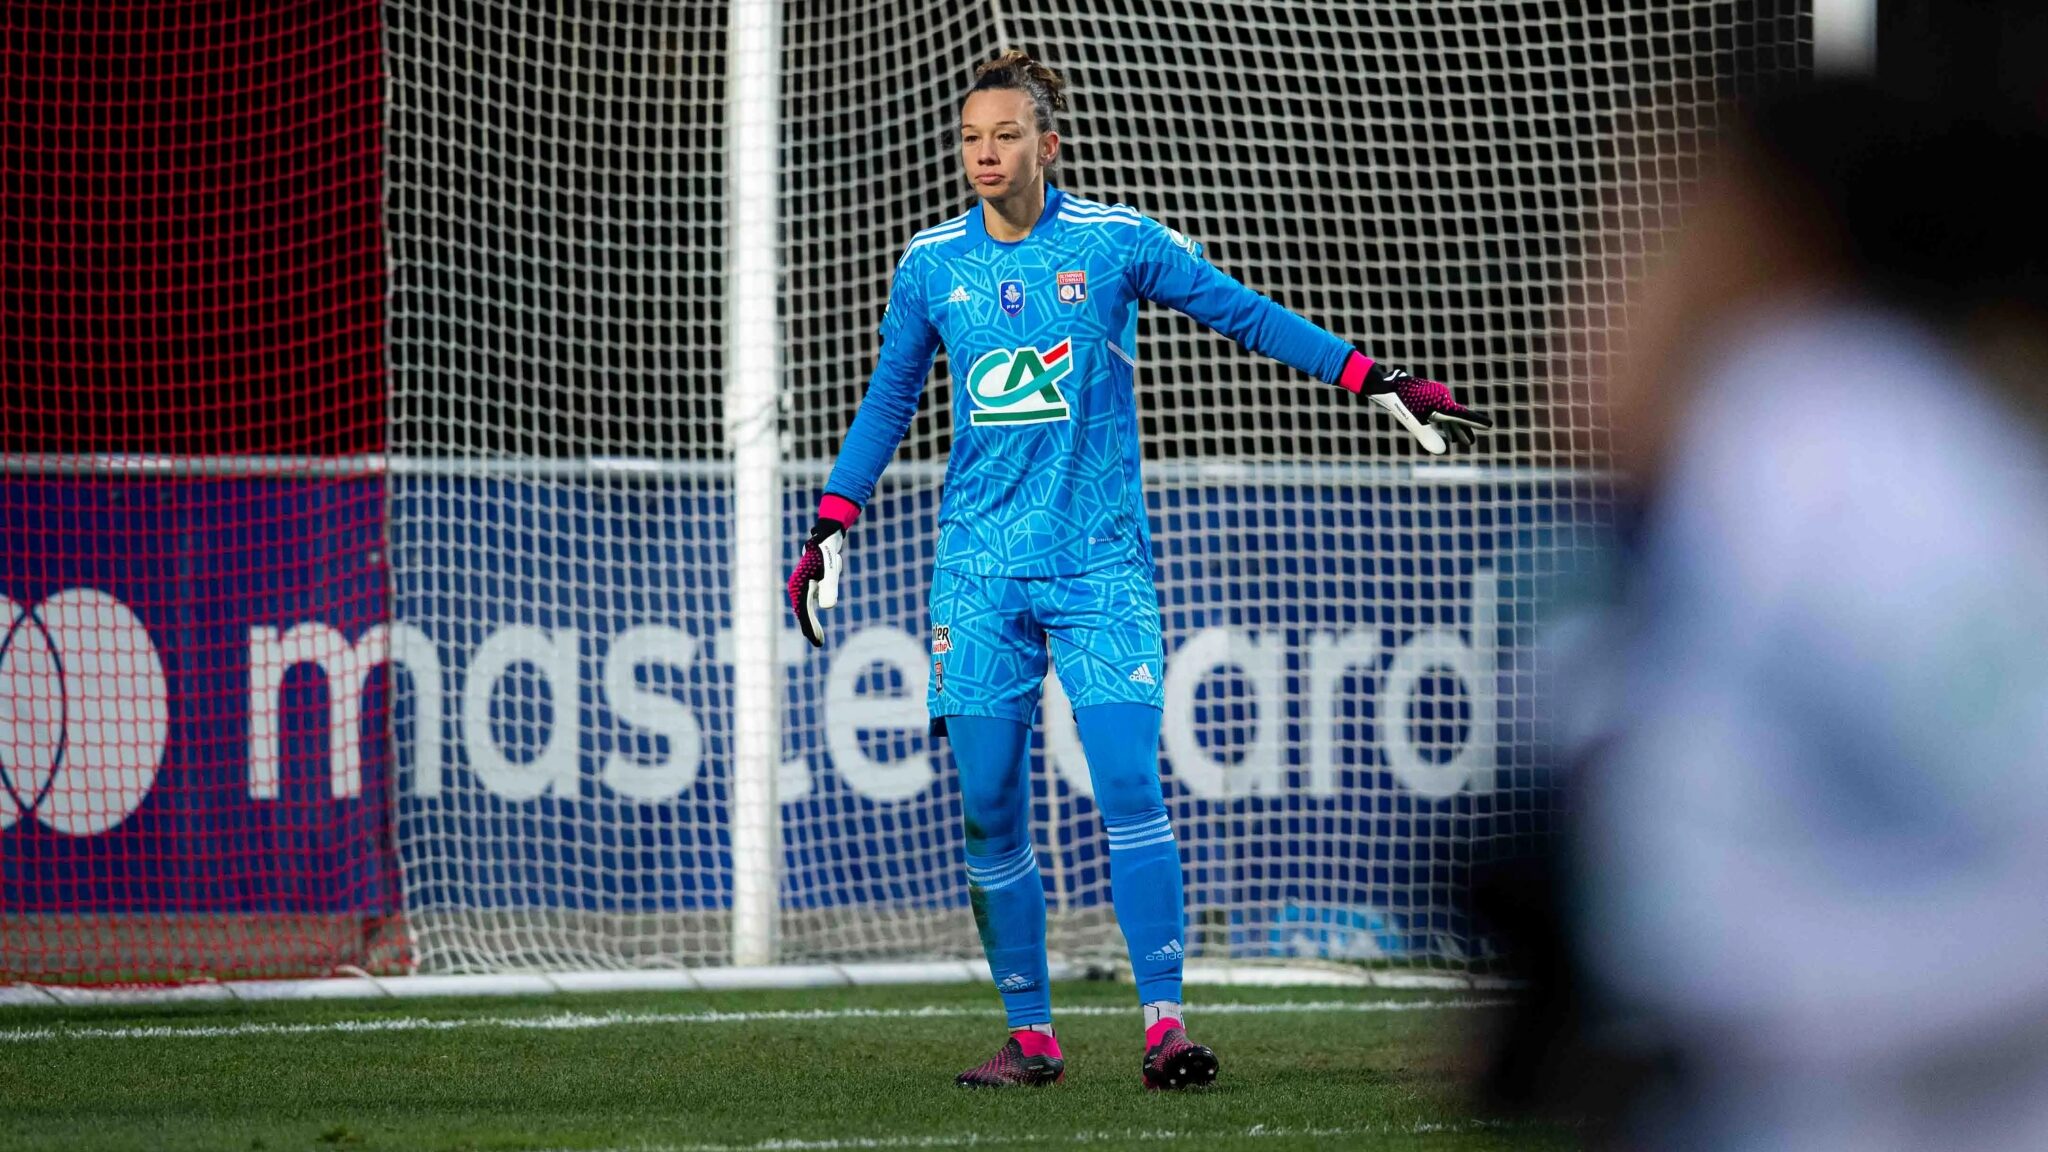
(1041, 336)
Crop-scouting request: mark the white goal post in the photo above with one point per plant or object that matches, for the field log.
(753, 393)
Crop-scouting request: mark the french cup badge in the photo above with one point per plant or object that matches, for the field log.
(1011, 293)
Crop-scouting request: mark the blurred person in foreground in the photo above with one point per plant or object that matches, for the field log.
(1808, 740)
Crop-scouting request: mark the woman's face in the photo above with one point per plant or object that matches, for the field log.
(1001, 148)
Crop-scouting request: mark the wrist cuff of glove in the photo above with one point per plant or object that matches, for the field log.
(1357, 370)
(1366, 376)
(831, 507)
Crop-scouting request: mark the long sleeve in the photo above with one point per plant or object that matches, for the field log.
(890, 403)
(1167, 268)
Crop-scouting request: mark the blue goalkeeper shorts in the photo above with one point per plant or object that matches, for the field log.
(991, 637)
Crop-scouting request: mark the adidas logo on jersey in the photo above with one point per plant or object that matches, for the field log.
(1172, 951)
(959, 295)
(1016, 982)
(1143, 675)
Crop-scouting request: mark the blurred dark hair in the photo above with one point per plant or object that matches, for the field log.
(1919, 196)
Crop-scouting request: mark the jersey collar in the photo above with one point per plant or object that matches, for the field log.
(977, 223)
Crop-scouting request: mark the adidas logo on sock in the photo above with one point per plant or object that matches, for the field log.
(1143, 675)
(959, 295)
(1172, 951)
(1016, 982)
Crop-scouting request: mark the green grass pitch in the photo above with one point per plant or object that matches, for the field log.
(795, 1070)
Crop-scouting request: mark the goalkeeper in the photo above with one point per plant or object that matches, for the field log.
(1043, 546)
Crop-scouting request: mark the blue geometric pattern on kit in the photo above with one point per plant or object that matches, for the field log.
(1102, 630)
(1043, 479)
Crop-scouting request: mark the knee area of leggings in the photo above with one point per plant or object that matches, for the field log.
(1129, 800)
(994, 784)
(990, 812)
(1122, 744)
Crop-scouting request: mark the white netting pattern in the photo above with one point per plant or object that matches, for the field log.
(557, 247)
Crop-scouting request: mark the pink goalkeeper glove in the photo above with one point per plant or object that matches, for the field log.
(1423, 407)
(814, 585)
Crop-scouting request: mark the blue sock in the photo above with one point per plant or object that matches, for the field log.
(1122, 743)
(1002, 870)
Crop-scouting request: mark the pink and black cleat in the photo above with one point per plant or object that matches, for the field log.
(1172, 1061)
(1010, 1067)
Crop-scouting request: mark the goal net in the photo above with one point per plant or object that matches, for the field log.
(306, 669)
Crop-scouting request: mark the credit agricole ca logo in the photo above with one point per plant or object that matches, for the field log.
(1020, 385)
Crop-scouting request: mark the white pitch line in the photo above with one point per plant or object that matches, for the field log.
(1118, 1139)
(578, 1021)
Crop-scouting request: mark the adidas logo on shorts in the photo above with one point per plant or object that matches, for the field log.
(1172, 951)
(1143, 675)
